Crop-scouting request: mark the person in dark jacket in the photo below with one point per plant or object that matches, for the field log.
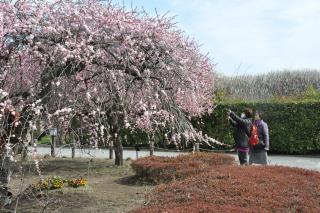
(242, 126)
(258, 153)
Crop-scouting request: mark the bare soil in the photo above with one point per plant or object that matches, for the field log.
(110, 188)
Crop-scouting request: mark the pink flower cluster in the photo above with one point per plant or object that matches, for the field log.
(91, 61)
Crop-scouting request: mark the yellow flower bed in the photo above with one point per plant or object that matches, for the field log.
(78, 182)
(57, 182)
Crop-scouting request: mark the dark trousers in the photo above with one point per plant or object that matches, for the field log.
(243, 157)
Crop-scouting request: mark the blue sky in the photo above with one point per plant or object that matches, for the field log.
(248, 36)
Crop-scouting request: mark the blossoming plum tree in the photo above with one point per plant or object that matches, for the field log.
(109, 68)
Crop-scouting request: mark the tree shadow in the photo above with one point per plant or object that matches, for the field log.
(133, 180)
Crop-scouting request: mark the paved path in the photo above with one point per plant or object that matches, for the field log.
(306, 162)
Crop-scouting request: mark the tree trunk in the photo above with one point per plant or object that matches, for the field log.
(24, 153)
(121, 155)
(151, 148)
(5, 169)
(72, 142)
(151, 142)
(196, 147)
(118, 150)
(53, 147)
(73, 149)
(111, 149)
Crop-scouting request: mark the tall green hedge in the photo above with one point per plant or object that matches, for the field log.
(294, 126)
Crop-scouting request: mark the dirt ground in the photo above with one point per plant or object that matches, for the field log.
(110, 188)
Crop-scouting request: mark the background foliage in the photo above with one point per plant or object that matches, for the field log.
(267, 86)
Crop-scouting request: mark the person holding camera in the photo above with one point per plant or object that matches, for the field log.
(242, 126)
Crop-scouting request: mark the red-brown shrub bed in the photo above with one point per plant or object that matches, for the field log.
(193, 207)
(165, 169)
(256, 189)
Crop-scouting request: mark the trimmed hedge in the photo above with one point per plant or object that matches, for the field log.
(196, 207)
(156, 169)
(239, 189)
(294, 126)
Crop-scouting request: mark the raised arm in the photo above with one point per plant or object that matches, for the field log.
(232, 122)
(243, 122)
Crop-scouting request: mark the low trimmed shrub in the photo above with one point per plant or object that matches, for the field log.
(246, 189)
(195, 207)
(165, 169)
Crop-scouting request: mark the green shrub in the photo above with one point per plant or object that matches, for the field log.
(311, 93)
(45, 140)
(294, 126)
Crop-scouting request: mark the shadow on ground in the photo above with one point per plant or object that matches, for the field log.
(110, 188)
